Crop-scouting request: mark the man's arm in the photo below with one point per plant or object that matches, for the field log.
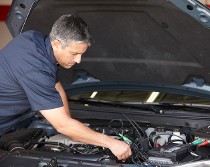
(74, 129)
(60, 118)
(62, 93)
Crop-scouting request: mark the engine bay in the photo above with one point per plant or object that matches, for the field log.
(151, 145)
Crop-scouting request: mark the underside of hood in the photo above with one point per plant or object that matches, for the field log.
(150, 41)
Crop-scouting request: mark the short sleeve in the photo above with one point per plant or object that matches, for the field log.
(39, 86)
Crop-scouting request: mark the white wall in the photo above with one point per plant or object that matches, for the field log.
(5, 2)
(5, 36)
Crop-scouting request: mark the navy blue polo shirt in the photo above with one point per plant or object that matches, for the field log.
(27, 78)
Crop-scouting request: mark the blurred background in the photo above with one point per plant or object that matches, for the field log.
(5, 36)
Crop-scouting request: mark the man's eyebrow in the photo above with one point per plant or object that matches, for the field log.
(74, 52)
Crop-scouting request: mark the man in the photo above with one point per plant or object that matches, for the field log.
(28, 66)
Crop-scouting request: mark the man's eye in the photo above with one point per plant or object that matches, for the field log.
(74, 54)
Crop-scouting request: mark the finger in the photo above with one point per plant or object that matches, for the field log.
(120, 157)
(130, 152)
(124, 157)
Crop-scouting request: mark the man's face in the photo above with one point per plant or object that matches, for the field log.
(69, 55)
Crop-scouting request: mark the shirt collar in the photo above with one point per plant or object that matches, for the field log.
(50, 51)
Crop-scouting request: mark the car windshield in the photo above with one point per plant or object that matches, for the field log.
(141, 97)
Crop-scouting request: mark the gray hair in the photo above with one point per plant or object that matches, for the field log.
(70, 28)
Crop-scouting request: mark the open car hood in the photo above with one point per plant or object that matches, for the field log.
(150, 41)
(141, 48)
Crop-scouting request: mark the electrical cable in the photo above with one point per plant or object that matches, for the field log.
(132, 124)
(136, 153)
(143, 132)
(151, 140)
(137, 156)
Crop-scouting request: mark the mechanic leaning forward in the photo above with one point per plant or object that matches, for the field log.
(28, 66)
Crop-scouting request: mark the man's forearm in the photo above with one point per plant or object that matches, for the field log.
(74, 129)
(78, 131)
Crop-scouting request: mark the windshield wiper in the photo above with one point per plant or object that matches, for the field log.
(118, 104)
(159, 108)
(169, 103)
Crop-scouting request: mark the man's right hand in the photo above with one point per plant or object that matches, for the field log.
(120, 149)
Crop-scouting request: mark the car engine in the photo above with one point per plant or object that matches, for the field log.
(153, 145)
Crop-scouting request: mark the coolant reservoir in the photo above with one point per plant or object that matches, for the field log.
(177, 137)
(163, 139)
(160, 136)
(149, 131)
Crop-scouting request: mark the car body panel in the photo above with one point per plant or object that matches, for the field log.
(131, 38)
(152, 46)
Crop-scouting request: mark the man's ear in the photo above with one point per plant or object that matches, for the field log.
(56, 44)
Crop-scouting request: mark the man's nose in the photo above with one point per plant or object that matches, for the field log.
(78, 58)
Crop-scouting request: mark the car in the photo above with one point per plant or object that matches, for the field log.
(145, 81)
